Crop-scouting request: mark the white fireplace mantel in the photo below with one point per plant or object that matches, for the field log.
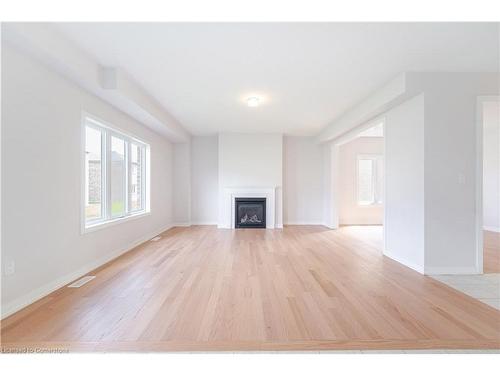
(227, 208)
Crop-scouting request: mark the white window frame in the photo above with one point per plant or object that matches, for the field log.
(378, 196)
(143, 151)
(107, 131)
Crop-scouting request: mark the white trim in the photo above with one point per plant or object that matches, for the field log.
(228, 205)
(115, 221)
(333, 213)
(204, 223)
(100, 123)
(479, 178)
(451, 271)
(305, 223)
(491, 229)
(479, 185)
(384, 186)
(44, 290)
(181, 224)
(109, 131)
(358, 224)
(416, 267)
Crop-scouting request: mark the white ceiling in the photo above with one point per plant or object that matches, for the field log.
(309, 73)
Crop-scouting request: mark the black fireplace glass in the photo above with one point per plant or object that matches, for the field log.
(250, 213)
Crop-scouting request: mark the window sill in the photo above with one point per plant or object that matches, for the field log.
(370, 205)
(109, 223)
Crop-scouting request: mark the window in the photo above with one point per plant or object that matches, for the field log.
(118, 177)
(370, 179)
(93, 173)
(115, 175)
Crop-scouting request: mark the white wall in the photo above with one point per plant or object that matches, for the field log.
(41, 183)
(182, 184)
(302, 168)
(452, 237)
(404, 183)
(251, 161)
(302, 180)
(350, 212)
(452, 242)
(491, 166)
(204, 180)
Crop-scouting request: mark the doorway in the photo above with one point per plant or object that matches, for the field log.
(359, 202)
(489, 109)
(361, 178)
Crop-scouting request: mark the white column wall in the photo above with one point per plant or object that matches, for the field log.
(404, 183)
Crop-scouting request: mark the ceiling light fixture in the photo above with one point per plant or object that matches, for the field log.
(253, 101)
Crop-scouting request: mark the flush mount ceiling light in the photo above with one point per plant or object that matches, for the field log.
(253, 101)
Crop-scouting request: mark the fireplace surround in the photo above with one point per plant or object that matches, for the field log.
(227, 204)
(250, 212)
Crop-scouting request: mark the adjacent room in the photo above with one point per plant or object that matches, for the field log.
(250, 186)
(361, 182)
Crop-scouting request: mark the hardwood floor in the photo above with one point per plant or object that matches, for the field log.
(491, 254)
(301, 288)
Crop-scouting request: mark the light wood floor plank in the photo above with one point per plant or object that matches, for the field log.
(300, 288)
(491, 254)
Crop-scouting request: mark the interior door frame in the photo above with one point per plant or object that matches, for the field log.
(479, 177)
(332, 219)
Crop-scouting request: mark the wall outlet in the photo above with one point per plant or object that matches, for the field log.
(10, 268)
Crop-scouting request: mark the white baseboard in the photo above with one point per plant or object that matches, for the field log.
(33, 296)
(181, 224)
(360, 224)
(434, 270)
(329, 226)
(194, 223)
(304, 223)
(404, 262)
(492, 229)
(451, 271)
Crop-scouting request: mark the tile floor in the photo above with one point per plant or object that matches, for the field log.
(485, 288)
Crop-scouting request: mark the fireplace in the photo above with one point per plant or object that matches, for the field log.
(250, 212)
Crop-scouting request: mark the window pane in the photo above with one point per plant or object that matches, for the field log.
(366, 193)
(118, 174)
(93, 174)
(136, 156)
